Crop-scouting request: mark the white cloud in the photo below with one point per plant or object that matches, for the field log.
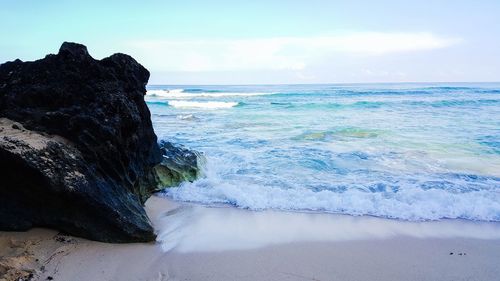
(280, 53)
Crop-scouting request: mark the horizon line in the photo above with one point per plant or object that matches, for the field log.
(329, 83)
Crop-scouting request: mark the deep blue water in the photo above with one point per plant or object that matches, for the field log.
(407, 151)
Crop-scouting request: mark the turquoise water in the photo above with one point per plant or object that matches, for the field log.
(406, 151)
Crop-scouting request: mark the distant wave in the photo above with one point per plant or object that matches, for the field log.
(454, 103)
(378, 104)
(191, 93)
(448, 88)
(188, 117)
(156, 102)
(161, 93)
(200, 90)
(204, 105)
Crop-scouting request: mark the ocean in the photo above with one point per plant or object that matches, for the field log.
(404, 151)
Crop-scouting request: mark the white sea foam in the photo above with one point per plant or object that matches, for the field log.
(186, 117)
(180, 94)
(203, 105)
(164, 93)
(409, 203)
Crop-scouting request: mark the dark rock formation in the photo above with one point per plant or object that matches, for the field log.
(77, 147)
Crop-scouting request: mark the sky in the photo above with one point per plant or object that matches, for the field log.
(269, 42)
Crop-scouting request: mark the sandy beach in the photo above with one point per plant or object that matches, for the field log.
(250, 141)
(267, 245)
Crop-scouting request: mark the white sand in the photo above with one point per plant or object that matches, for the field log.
(199, 243)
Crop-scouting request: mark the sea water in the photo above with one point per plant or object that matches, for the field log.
(405, 151)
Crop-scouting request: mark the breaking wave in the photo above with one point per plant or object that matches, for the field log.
(202, 105)
(188, 94)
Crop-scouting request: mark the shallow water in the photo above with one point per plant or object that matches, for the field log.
(190, 228)
(406, 151)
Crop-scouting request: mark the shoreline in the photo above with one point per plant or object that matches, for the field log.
(201, 243)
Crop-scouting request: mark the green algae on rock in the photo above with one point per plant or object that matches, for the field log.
(178, 164)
